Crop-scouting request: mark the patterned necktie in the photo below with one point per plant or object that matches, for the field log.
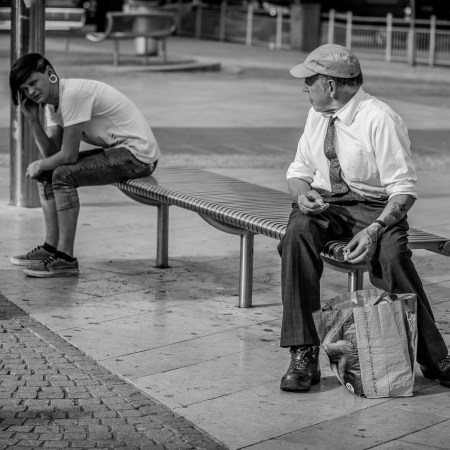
(338, 185)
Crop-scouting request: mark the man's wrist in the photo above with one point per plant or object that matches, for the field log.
(380, 225)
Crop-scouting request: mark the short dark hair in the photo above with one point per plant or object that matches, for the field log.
(349, 82)
(22, 69)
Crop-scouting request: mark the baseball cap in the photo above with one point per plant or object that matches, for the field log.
(330, 59)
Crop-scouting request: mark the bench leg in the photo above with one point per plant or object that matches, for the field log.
(246, 271)
(163, 50)
(162, 248)
(145, 58)
(355, 280)
(116, 52)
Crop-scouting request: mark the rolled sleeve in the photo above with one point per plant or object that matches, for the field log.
(393, 156)
(300, 168)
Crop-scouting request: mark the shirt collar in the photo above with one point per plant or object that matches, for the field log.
(347, 113)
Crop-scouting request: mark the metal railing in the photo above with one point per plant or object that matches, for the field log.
(390, 39)
(387, 38)
(242, 25)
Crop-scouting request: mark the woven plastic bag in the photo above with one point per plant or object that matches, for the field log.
(370, 337)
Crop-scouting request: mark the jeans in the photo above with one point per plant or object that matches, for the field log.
(390, 269)
(93, 168)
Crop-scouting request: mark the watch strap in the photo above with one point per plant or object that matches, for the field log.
(383, 224)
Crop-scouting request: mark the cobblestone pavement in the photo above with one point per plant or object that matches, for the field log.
(54, 396)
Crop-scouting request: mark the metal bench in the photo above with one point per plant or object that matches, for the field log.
(56, 19)
(244, 209)
(156, 25)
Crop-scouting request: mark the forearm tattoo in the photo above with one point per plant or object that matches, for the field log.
(398, 211)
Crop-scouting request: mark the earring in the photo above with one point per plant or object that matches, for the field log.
(53, 78)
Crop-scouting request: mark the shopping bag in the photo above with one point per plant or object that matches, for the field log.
(370, 337)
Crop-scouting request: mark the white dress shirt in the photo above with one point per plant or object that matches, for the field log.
(372, 144)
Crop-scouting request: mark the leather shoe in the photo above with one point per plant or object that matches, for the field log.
(440, 371)
(303, 370)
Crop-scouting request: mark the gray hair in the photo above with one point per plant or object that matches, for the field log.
(346, 82)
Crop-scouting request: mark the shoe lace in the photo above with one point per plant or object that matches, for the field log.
(49, 260)
(444, 361)
(298, 364)
(301, 362)
(35, 249)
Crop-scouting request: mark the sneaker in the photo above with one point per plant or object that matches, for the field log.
(304, 369)
(34, 257)
(53, 267)
(440, 371)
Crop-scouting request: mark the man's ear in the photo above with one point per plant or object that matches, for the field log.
(332, 87)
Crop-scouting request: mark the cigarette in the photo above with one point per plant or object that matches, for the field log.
(320, 202)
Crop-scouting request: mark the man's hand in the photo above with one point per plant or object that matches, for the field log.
(308, 205)
(29, 108)
(34, 169)
(363, 245)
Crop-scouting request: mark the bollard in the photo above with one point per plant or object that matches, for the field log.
(27, 36)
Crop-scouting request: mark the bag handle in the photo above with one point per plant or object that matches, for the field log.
(388, 296)
(327, 306)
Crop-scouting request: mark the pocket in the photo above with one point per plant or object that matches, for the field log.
(355, 164)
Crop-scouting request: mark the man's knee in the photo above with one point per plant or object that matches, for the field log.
(304, 229)
(305, 226)
(62, 177)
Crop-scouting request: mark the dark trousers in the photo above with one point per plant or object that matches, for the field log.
(391, 269)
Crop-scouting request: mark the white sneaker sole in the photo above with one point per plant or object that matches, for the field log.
(23, 262)
(53, 274)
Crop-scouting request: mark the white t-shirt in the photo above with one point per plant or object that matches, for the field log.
(110, 119)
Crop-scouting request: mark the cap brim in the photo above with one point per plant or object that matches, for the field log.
(300, 71)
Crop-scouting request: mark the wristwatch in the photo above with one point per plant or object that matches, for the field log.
(383, 225)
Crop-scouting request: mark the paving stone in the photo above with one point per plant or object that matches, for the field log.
(5, 434)
(51, 436)
(100, 435)
(78, 395)
(27, 436)
(20, 429)
(47, 429)
(75, 436)
(28, 444)
(56, 444)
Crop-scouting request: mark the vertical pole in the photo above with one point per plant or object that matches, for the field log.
(223, 19)
(27, 36)
(162, 244)
(246, 271)
(348, 31)
(431, 56)
(389, 37)
(116, 52)
(331, 26)
(248, 39)
(198, 21)
(179, 15)
(412, 36)
(279, 32)
(145, 58)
